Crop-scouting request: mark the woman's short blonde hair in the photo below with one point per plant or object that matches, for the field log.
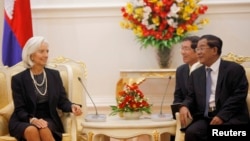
(30, 47)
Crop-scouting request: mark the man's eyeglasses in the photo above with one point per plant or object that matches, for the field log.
(201, 49)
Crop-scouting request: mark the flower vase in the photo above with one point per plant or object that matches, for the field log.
(163, 54)
(132, 115)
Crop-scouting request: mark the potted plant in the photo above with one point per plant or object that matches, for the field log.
(162, 23)
(131, 101)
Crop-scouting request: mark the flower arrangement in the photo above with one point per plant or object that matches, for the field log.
(162, 23)
(131, 99)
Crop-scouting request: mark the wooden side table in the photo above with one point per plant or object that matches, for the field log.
(116, 127)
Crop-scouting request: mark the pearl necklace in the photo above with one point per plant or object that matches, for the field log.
(41, 84)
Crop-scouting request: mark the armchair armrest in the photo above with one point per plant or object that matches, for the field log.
(179, 135)
(7, 110)
(71, 127)
(5, 114)
(3, 126)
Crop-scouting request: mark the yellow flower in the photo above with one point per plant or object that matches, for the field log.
(138, 31)
(156, 20)
(204, 21)
(180, 31)
(138, 13)
(129, 8)
(153, 1)
(192, 28)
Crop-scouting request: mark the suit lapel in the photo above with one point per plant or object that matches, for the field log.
(185, 75)
(30, 86)
(219, 81)
(202, 84)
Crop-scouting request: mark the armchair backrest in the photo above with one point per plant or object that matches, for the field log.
(248, 96)
(247, 69)
(70, 71)
(3, 91)
(5, 76)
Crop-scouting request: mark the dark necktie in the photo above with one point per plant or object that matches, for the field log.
(208, 90)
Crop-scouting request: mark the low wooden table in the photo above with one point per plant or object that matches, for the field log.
(116, 127)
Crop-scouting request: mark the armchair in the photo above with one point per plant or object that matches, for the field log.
(179, 135)
(70, 71)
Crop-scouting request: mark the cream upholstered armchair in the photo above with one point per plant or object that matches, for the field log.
(69, 70)
(179, 136)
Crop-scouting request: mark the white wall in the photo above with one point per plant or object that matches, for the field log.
(90, 32)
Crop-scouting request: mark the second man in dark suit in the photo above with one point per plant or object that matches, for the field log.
(190, 60)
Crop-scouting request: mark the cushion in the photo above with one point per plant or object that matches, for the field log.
(7, 138)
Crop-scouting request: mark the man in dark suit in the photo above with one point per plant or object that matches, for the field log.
(226, 92)
(190, 59)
